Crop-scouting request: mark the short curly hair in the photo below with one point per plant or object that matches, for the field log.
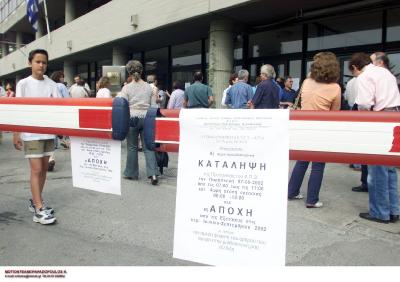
(325, 68)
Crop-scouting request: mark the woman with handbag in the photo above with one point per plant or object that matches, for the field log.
(138, 93)
(319, 92)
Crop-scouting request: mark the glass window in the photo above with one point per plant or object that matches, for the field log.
(156, 62)
(395, 65)
(393, 25)
(345, 31)
(186, 60)
(238, 48)
(274, 42)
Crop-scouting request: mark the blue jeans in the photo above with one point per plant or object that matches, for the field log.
(132, 161)
(382, 189)
(314, 183)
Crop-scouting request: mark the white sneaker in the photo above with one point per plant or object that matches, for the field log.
(32, 208)
(42, 217)
(316, 205)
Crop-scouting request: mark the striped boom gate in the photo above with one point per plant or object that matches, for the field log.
(323, 136)
(97, 118)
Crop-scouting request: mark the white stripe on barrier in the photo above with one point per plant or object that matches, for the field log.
(45, 116)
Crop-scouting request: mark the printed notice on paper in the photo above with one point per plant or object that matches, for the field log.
(96, 164)
(231, 201)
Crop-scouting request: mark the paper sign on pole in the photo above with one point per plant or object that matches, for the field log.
(96, 164)
(232, 187)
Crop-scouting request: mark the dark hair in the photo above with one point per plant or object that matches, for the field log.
(287, 77)
(325, 68)
(135, 69)
(178, 85)
(198, 76)
(37, 51)
(232, 77)
(55, 76)
(81, 82)
(359, 60)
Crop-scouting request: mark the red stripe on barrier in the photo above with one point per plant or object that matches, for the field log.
(167, 130)
(396, 140)
(348, 116)
(80, 102)
(90, 118)
(329, 157)
(57, 131)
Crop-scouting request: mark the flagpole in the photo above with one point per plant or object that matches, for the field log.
(47, 20)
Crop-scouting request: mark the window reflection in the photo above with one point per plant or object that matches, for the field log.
(393, 23)
(345, 31)
(274, 42)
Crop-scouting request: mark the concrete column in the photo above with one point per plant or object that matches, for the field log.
(41, 29)
(221, 57)
(18, 40)
(70, 13)
(119, 56)
(69, 72)
(4, 49)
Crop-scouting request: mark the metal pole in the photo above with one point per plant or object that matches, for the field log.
(47, 20)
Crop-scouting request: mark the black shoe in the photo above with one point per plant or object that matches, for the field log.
(359, 189)
(154, 180)
(394, 218)
(51, 166)
(366, 216)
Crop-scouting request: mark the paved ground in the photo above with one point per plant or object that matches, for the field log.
(137, 228)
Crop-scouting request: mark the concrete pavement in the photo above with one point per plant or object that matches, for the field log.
(136, 229)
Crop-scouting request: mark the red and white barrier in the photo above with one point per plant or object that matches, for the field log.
(326, 136)
(334, 136)
(71, 117)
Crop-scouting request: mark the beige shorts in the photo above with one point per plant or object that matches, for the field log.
(38, 148)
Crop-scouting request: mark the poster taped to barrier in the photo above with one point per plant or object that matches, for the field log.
(231, 201)
(96, 164)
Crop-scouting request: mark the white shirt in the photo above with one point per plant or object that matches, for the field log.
(103, 93)
(78, 91)
(224, 95)
(31, 87)
(377, 87)
(351, 91)
(2, 91)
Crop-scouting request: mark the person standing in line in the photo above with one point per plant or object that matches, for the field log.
(232, 80)
(103, 88)
(139, 94)
(37, 147)
(288, 94)
(198, 95)
(378, 91)
(78, 78)
(177, 96)
(240, 94)
(10, 90)
(320, 92)
(267, 92)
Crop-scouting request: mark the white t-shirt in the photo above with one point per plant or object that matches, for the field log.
(103, 93)
(31, 87)
(77, 91)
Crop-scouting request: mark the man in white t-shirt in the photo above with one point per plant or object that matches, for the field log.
(37, 147)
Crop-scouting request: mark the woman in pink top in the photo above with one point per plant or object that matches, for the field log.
(320, 92)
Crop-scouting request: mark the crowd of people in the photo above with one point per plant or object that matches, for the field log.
(373, 88)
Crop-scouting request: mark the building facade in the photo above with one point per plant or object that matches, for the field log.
(174, 38)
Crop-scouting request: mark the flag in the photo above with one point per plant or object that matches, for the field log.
(32, 10)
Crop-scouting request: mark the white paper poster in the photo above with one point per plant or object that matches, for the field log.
(96, 164)
(296, 83)
(232, 187)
